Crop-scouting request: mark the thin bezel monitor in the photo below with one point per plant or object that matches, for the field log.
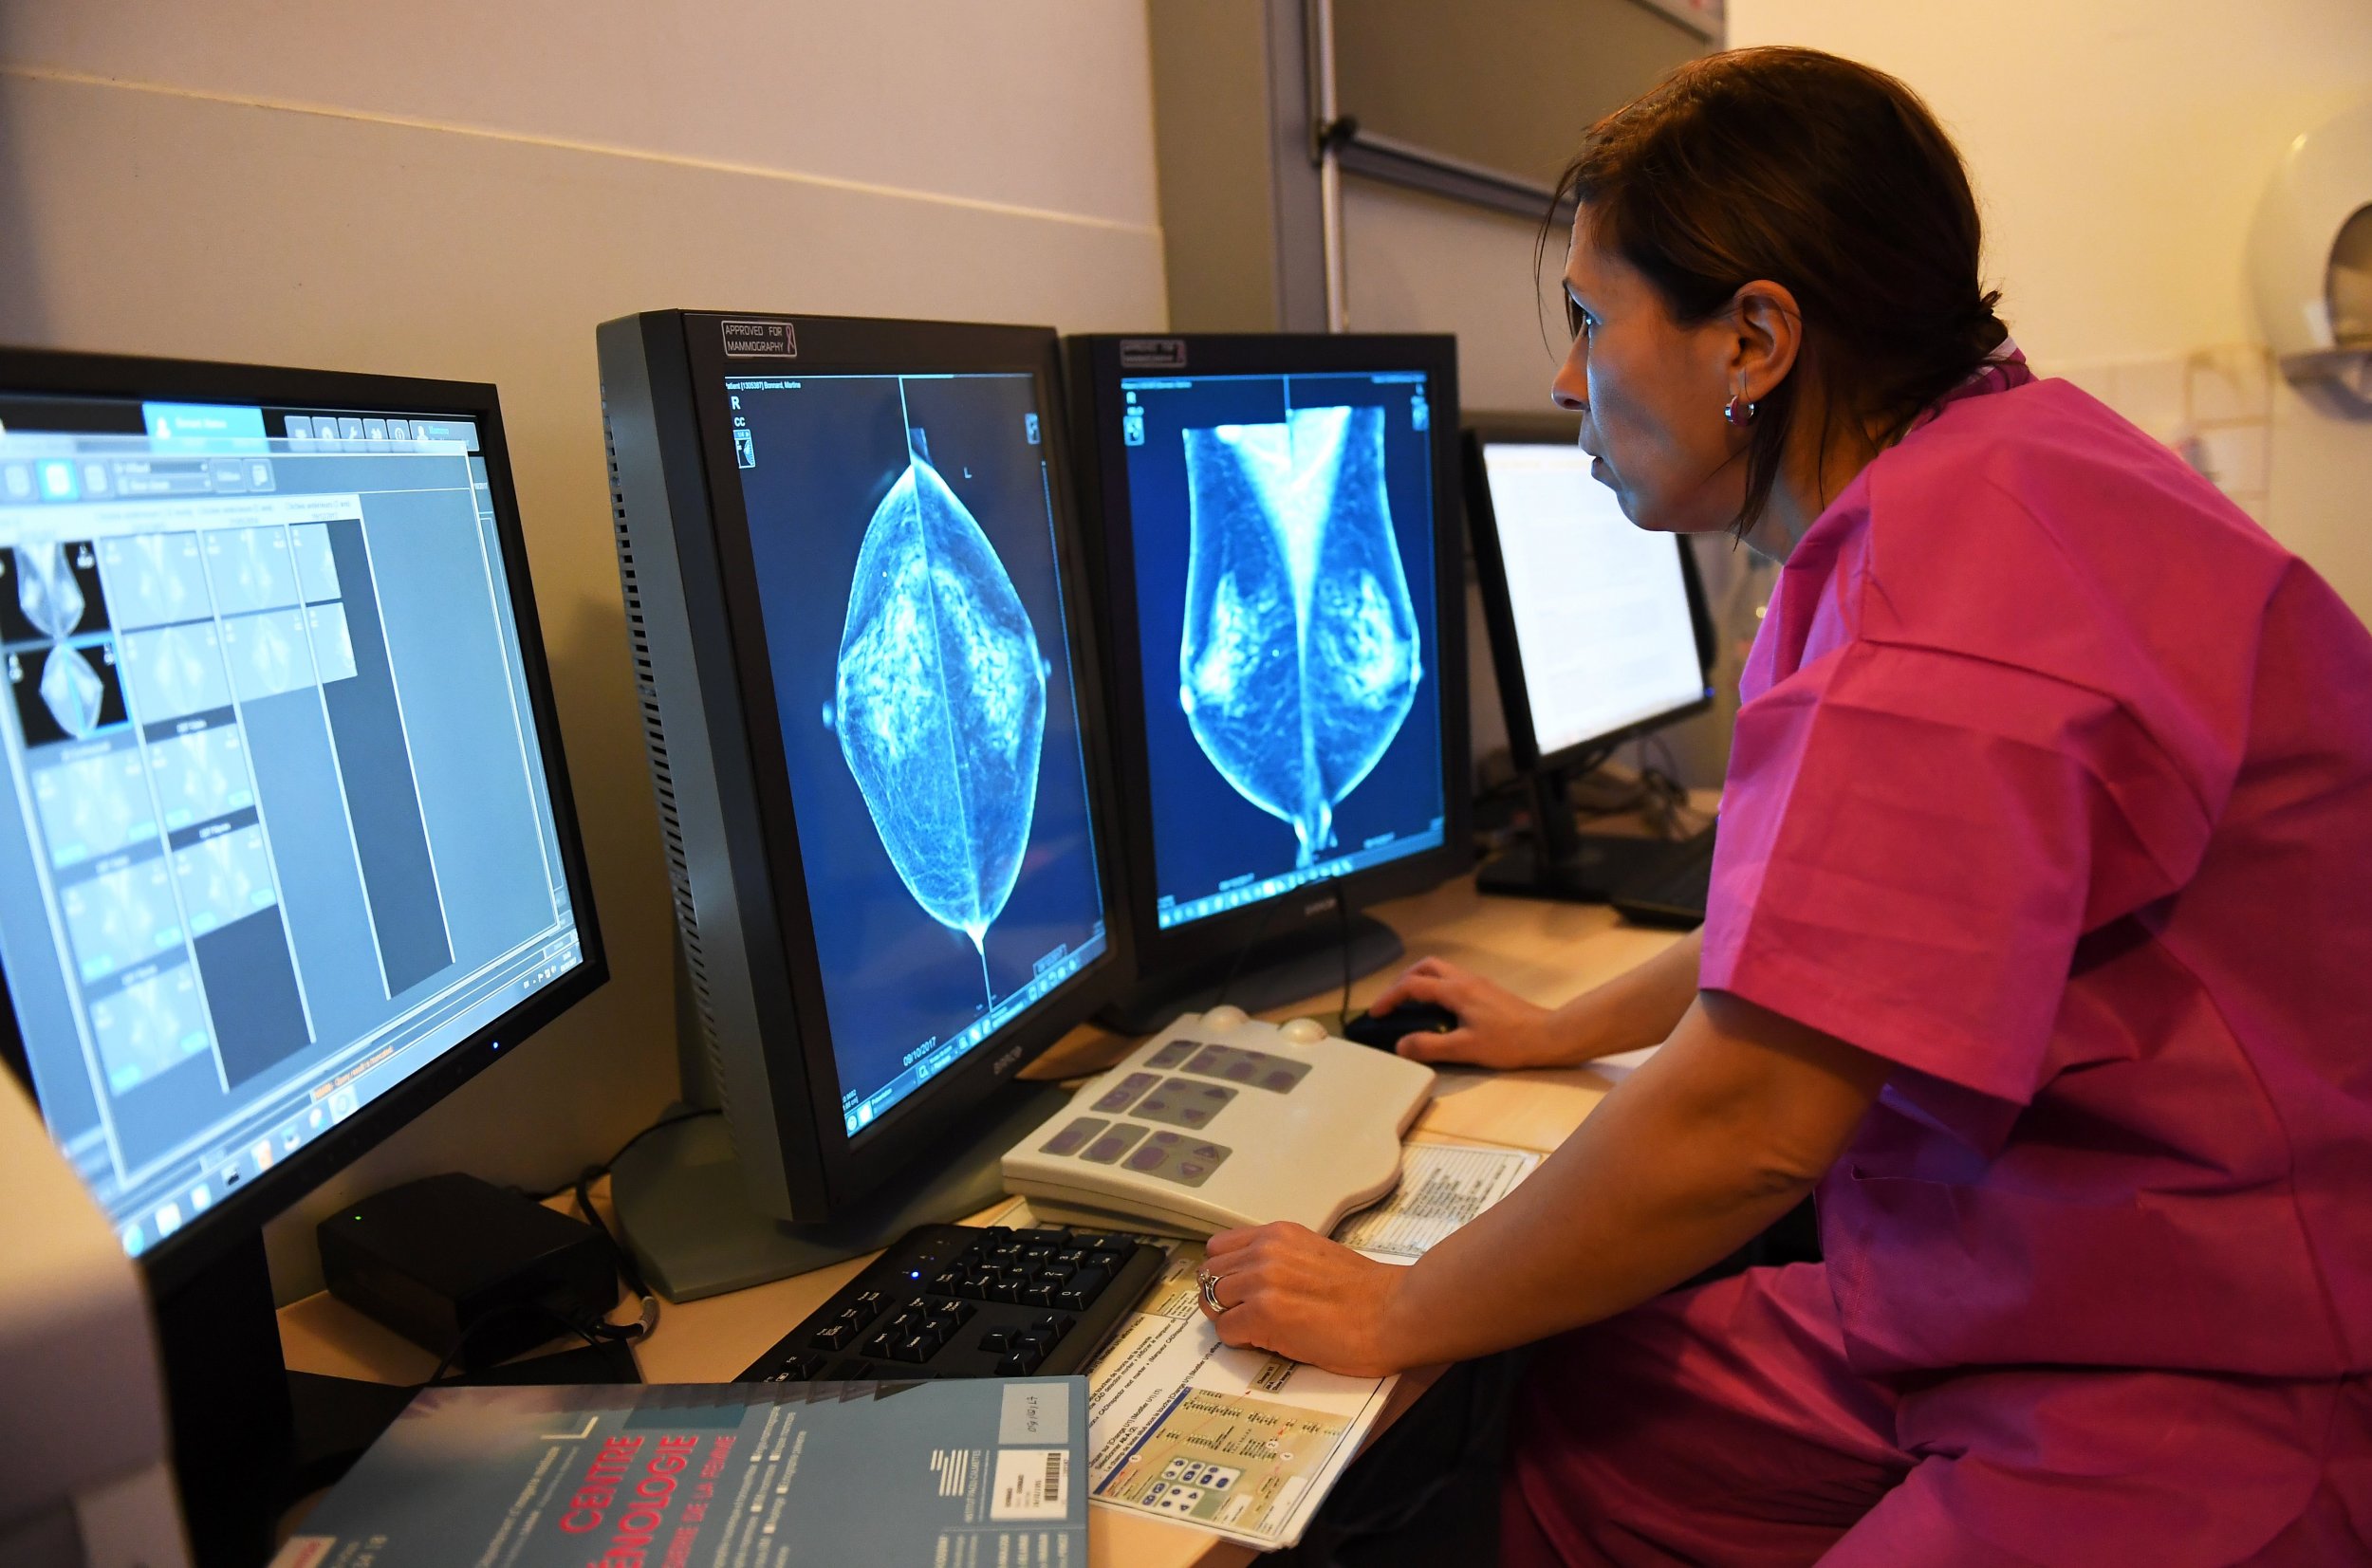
(1499, 608)
(93, 404)
(1383, 422)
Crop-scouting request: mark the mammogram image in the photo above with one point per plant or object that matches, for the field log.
(940, 702)
(145, 1030)
(92, 806)
(47, 590)
(1300, 658)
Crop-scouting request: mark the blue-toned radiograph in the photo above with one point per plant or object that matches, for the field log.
(73, 691)
(1300, 657)
(940, 702)
(47, 589)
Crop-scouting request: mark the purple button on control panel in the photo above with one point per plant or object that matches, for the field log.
(1122, 1095)
(1074, 1137)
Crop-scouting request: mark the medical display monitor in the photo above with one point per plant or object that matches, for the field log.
(1598, 625)
(865, 699)
(1280, 526)
(289, 848)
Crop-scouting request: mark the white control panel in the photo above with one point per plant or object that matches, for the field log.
(1220, 1120)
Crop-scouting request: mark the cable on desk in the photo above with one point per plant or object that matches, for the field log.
(602, 1328)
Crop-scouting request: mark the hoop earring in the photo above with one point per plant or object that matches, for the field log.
(1738, 412)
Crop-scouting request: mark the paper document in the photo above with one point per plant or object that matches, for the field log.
(1442, 1185)
(1239, 1442)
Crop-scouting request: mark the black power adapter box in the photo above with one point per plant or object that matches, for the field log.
(445, 1255)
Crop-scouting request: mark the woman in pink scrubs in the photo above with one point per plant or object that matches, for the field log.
(2040, 940)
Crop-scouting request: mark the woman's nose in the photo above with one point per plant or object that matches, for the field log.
(1569, 391)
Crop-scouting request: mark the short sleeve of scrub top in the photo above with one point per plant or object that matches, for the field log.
(1913, 841)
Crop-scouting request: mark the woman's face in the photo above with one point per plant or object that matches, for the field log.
(1650, 393)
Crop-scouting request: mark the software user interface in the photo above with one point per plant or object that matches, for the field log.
(1283, 531)
(1601, 612)
(903, 532)
(280, 833)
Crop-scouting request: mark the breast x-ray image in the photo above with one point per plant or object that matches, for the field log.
(941, 702)
(1300, 658)
(901, 533)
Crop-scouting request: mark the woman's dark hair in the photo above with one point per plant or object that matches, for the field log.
(1821, 174)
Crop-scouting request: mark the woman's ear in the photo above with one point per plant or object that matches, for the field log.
(1767, 336)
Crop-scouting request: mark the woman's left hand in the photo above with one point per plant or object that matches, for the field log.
(1286, 1289)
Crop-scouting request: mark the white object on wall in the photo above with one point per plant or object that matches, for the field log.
(88, 1484)
(2310, 256)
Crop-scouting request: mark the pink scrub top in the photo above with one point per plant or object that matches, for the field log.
(2052, 784)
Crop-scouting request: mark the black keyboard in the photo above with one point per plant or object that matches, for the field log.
(958, 1301)
(1673, 891)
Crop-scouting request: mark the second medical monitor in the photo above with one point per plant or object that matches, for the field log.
(1277, 525)
(846, 555)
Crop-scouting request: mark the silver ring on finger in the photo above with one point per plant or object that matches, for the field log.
(1208, 1284)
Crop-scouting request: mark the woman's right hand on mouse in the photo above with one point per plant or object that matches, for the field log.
(1496, 1028)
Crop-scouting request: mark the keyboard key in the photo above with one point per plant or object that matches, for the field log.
(1019, 1363)
(1005, 1287)
(1039, 1293)
(1082, 1290)
(834, 1336)
(996, 1340)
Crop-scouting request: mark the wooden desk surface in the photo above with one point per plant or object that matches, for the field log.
(1543, 951)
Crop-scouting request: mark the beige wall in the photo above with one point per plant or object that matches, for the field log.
(462, 190)
(2119, 147)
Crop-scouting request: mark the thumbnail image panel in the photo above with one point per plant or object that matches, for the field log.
(268, 653)
(153, 579)
(176, 670)
(92, 806)
(223, 877)
(148, 1027)
(251, 568)
(333, 643)
(120, 919)
(65, 692)
(316, 566)
(201, 776)
(50, 592)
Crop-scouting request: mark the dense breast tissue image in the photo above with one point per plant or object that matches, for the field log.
(940, 702)
(1300, 657)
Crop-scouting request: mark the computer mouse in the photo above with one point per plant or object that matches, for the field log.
(1383, 1030)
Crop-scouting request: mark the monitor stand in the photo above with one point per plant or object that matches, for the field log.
(1275, 973)
(251, 1437)
(684, 1210)
(1561, 861)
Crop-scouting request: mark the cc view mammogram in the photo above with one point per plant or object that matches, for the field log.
(1300, 658)
(940, 705)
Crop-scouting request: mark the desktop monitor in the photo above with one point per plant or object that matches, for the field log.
(1276, 530)
(1598, 630)
(290, 853)
(864, 661)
